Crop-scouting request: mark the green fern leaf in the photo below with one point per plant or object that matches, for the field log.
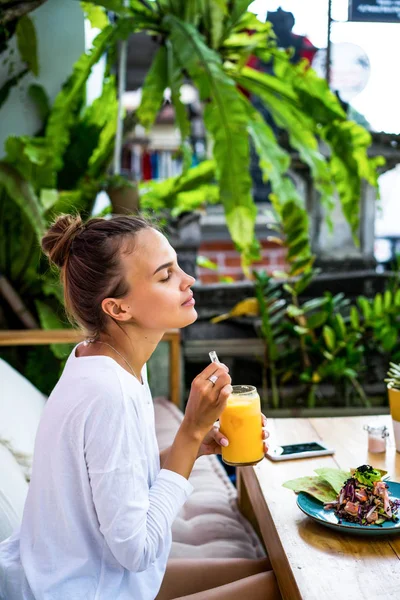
(175, 81)
(226, 119)
(21, 192)
(62, 115)
(27, 44)
(153, 89)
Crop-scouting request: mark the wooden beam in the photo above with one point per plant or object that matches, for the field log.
(36, 337)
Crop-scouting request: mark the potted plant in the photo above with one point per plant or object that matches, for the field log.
(123, 194)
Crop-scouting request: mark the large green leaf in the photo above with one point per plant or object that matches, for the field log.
(103, 107)
(62, 116)
(214, 13)
(194, 199)
(158, 195)
(281, 100)
(102, 154)
(274, 161)
(39, 97)
(153, 89)
(175, 81)
(117, 6)
(33, 159)
(237, 9)
(104, 112)
(19, 247)
(318, 113)
(238, 47)
(289, 206)
(27, 45)
(21, 192)
(313, 93)
(226, 119)
(349, 165)
(96, 15)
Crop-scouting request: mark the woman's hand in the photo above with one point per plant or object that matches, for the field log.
(214, 440)
(265, 433)
(208, 395)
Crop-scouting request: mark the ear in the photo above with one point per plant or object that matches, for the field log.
(116, 309)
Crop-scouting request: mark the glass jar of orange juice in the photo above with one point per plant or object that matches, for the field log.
(241, 423)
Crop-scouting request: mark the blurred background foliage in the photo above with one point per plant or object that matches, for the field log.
(67, 163)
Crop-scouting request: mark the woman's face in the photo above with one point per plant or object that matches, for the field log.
(160, 296)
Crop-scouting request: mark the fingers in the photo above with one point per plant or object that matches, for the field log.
(219, 438)
(223, 379)
(211, 369)
(265, 433)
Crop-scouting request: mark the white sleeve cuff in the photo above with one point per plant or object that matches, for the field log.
(179, 480)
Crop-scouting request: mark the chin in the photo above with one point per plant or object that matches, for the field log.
(190, 318)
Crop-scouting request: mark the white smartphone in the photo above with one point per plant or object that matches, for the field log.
(305, 450)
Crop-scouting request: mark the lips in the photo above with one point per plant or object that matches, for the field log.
(190, 301)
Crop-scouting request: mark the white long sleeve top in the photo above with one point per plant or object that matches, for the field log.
(98, 515)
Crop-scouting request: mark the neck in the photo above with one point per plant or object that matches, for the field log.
(135, 344)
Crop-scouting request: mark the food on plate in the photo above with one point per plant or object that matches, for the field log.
(364, 499)
(358, 496)
(324, 487)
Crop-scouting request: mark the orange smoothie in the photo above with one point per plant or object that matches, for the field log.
(394, 402)
(241, 423)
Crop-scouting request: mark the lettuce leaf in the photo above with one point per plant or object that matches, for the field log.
(315, 486)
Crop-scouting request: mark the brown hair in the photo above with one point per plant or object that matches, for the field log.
(88, 255)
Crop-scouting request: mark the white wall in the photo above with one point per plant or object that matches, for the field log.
(61, 40)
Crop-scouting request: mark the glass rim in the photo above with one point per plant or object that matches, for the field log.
(375, 428)
(244, 390)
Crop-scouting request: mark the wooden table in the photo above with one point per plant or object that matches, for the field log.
(313, 562)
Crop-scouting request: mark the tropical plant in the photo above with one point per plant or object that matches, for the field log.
(378, 319)
(272, 311)
(306, 344)
(393, 376)
(63, 167)
(328, 339)
(17, 23)
(210, 43)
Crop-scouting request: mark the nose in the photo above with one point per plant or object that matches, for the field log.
(187, 280)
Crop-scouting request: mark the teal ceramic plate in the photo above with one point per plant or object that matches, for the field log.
(315, 509)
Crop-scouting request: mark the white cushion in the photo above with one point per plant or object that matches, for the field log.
(8, 518)
(13, 491)
(21, 406)
(210, 524)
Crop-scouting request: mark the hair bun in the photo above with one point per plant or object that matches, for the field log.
(56, 243)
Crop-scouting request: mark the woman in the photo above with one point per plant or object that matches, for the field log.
(102, 499)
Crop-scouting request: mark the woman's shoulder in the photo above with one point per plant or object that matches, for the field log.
(85, 380)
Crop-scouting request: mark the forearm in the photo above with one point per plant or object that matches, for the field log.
(163, 456)
(181, 456)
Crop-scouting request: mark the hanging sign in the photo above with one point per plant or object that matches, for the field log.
(381, 11)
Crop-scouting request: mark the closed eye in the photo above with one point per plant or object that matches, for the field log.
(168, 277)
